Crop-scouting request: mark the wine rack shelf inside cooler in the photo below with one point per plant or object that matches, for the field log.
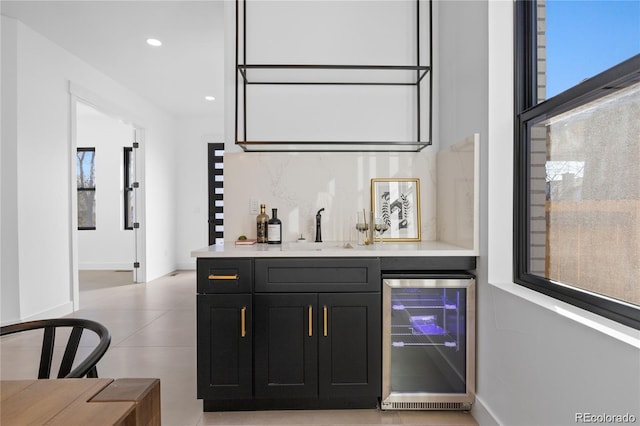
(426, 319)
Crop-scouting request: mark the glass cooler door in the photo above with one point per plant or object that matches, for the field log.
(425, 341)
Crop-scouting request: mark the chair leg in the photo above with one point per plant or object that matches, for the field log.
(93, 373)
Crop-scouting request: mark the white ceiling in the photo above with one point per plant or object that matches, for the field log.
(110, 36)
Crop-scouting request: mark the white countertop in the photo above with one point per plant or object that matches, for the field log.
(335, 249)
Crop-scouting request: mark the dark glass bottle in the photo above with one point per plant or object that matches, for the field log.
(274, 228)
(261, 224)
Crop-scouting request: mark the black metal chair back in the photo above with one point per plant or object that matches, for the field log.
(85, 368)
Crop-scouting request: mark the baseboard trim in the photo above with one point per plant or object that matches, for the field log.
(483, 415)
(88, 266)
(55, 312)
(191, 266)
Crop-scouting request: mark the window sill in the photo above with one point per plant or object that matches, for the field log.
(603, 325)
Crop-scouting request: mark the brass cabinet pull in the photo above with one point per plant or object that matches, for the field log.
(223, 277)
(243, 325)
(324, 315)
(310, 321)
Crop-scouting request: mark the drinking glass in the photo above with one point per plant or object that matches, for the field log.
(362, 227)
(381, 227)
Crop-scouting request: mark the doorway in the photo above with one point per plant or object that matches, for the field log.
(108, 244)
(115, 244)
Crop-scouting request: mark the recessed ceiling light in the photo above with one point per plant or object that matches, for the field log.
(154, 42)
(210, 98)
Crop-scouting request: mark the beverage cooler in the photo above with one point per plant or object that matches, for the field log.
(428, 341)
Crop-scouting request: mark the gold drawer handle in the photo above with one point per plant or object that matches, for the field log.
(243, 325)
(324, 315)
(223, 277)
(310, 321)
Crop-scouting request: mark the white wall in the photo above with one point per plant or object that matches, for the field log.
(192, 201)
(462, 71)
(41, 133)
(161, 185)
(322, 32)
(43, 178)
(334, 32)
(109, 246)
(10, 288)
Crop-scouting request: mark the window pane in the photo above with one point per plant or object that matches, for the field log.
(86, 209)
(584, 203)
(129, 179)
(86, 168)
(129, 172)
(579, 39)
(86, 184)
(130, 212)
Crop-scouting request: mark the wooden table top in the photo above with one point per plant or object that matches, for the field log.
(60, 402)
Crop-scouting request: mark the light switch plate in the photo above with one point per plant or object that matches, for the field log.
(253, 206)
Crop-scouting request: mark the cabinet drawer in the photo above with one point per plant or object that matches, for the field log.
(224, 275)
(317, 275)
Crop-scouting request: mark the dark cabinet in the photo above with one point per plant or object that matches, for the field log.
(288, 333)
(224, 276)
(324, 345)
(349, 348)
(224, 330)
(335, 275)
(286, 355)
(225, 349)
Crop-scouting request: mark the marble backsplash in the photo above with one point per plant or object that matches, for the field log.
(299, 184)
(457, 202)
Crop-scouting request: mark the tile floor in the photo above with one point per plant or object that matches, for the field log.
(153, 335)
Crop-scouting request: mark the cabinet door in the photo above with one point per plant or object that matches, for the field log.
(286, 360)
(224, 349)
(350, 345)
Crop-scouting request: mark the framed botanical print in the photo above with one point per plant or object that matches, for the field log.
(396, 203)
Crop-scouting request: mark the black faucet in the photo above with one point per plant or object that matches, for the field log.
(318, 227)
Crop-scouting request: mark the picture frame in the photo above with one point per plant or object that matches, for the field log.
(397, 202)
